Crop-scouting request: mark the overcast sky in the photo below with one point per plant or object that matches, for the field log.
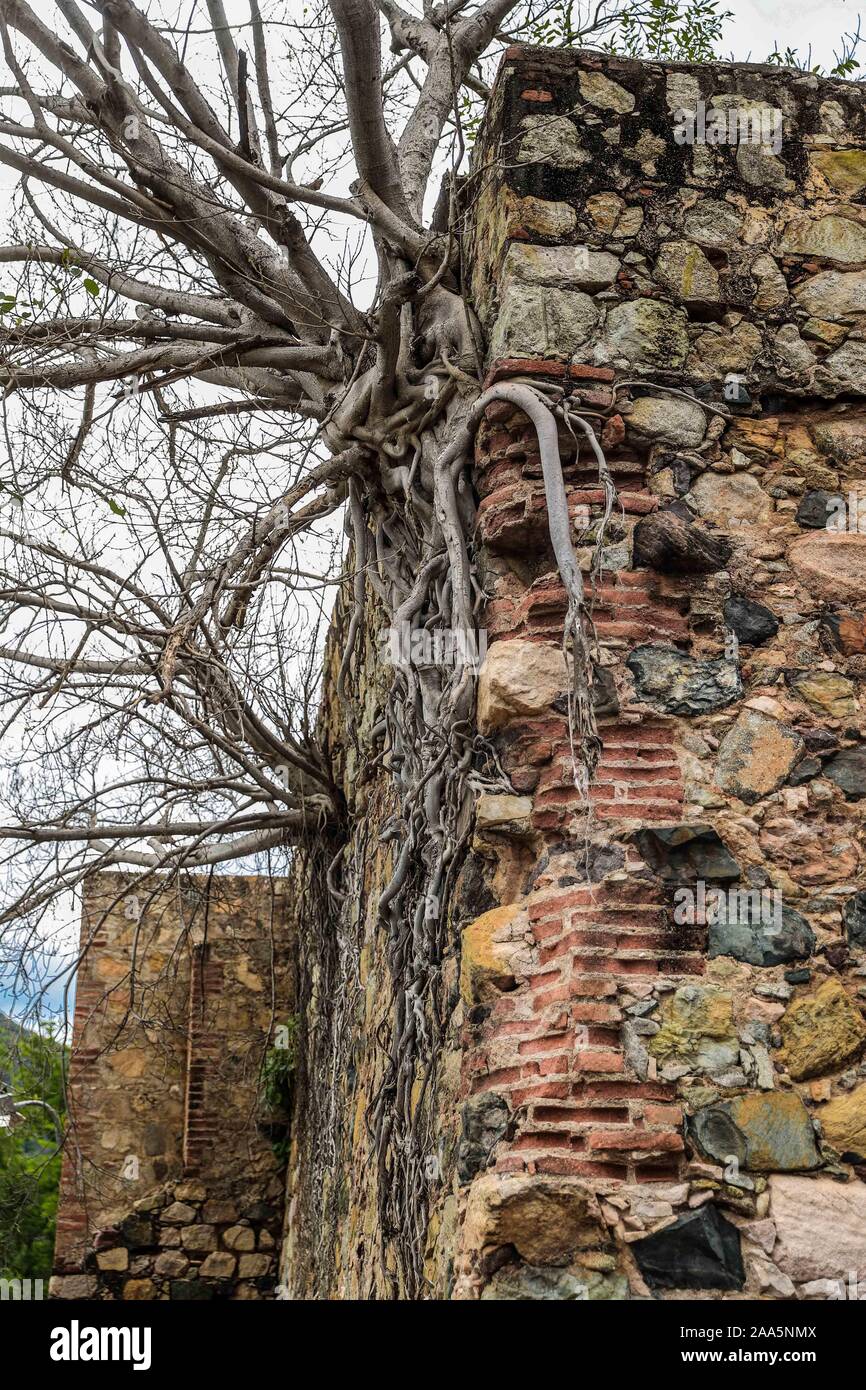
(759, 25)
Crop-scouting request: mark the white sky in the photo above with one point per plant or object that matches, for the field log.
(758, 25)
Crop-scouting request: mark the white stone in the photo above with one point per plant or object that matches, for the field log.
(536, 320)
(599, 91)
(551, 140)
(669, 419)
(820, 1226)
(564, 267)
(518, 678)
(834, 294)
(731, 500)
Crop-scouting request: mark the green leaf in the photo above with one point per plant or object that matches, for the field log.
(116, 507)
(91, 286)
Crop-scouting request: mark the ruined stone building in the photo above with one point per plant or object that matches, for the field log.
(648, 1075)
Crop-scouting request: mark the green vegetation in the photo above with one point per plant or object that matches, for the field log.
(31, 1066)
(277, 1082)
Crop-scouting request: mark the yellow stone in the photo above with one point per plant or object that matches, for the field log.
(132, 1062)
(821, 1031)
(843, 1122)
(540, 217)
(139, 1289)
(827, 693)
(485, 956)
(844, 170)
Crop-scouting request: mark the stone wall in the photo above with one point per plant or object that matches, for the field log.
(171, 1185)
(664, 1011)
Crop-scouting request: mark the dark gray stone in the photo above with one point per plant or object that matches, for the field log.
(701, 1250)
(854, 917)
(848, 770)
(485, 1119)
(752, 622)
(804, 772)
(137, 1232)
(760, 938)
(679, 684)
(816, 507)
(190, 1291)
(798, 977)
(684, 853)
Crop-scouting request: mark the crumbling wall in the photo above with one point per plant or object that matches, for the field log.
(172, 1185)
(664, 1024)
(651, 1077)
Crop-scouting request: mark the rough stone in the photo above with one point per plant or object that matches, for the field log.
(240, 1238)
(848, 770)
(538, 321)
(546, 1219)
(218, 1265)
(821, 1031)
(816, 508)
(648, 333)
(682, 853)
(599, 91)
(832, 238)
(560, 267)
(825, 692)
(485, 1118)
(760, 940)
(543, 217)
(820, 1226)
(847, 627)
(674, 422)
(178, 1214)
(492, 949)
(768, 1132)
(139, 1290)
(518, 679)
(697, 1030)
(551, 140)
(731, 500)
(831, 564)
(844, 170)
(700, 1250)
(680, 684)
(833, 294)
(844, 369)
(756, 755)
(198, 1238)
(713, 223)
(117, 1259)
(498, 811)
(843, 1124)
(684, 269)
(752, 622)
(854, 918)
(190, 1291)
